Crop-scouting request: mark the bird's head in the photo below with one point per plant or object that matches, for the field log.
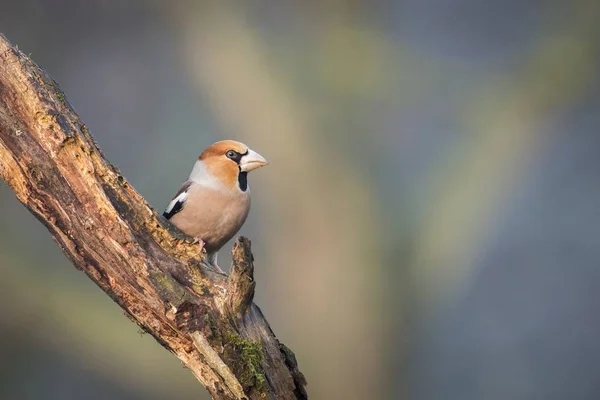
(230, 161)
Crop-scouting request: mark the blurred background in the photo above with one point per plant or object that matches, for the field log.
(428, 227)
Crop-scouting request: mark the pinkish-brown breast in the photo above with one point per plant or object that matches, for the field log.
(213, 215)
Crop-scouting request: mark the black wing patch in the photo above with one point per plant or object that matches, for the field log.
(176, 204)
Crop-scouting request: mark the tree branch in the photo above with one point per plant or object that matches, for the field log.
(148, 267)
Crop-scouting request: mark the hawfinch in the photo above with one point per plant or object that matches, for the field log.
(212, 205)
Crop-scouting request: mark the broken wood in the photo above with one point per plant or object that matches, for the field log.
(148, 267)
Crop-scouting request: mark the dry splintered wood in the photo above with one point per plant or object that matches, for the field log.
(148, 267)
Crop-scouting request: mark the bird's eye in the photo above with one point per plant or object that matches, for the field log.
(231, 154)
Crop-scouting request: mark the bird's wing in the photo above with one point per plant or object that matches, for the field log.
(176, 204)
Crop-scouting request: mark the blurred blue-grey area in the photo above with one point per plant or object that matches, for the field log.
(428, 227)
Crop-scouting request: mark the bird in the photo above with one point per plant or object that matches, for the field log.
(213, 203)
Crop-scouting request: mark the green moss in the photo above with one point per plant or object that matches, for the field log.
(61, 96)
(58, 92)
(251, 355)
(169, 289)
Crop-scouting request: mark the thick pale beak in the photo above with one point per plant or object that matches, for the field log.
(251, 161)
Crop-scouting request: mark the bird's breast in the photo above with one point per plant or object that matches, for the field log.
(213, 215)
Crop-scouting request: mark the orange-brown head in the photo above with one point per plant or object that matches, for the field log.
(229, 162)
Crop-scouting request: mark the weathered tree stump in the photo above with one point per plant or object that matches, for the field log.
(148, 267)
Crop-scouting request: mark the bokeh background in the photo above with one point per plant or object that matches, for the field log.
(428, 227)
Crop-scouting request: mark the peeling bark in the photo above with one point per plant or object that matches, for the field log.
(148, 267)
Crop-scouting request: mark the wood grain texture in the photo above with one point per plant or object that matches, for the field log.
(148, 267)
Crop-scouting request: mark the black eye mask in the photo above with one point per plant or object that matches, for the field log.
(242, 176)
(235, 156)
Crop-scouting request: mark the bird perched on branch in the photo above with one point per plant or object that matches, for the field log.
(212, 205)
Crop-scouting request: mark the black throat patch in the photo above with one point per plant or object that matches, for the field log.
(243, 181)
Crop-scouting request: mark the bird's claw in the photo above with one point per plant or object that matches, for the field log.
(200, 247)
(200, 244)
(218, 268)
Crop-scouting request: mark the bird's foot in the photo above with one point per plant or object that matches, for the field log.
(211, 260)
(218, 268)
(200, 244)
